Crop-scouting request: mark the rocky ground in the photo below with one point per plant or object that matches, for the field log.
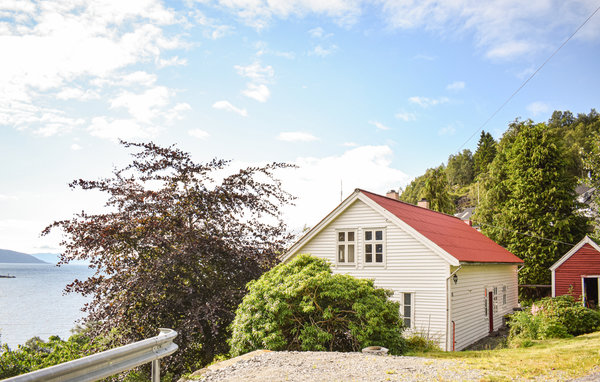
(332, 366)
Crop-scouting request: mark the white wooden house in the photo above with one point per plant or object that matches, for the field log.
(453, 283)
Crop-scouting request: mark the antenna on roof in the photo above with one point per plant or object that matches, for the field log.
(341, 191)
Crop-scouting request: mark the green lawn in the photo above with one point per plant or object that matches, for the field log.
(557, 359)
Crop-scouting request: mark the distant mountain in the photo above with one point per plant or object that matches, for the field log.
(8, 256)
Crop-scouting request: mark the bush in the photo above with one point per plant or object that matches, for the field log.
(421, 343)
(38, 354)
(576, 318)
(553, 317)
(302, 306)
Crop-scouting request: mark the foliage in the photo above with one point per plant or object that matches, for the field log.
(485, 153)
(421, 343)
(38, 354)
(415, 190)
(302, 306)
(175, 248)
(529, 196)
(436, 192)
(460, 169)
(553, 317)
(576, 133)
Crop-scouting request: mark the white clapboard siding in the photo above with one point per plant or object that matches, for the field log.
(468, 298)
(409, 266)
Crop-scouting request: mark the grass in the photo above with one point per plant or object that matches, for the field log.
(557, 359)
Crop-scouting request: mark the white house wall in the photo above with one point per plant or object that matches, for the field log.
(410, 266)
(468, 298)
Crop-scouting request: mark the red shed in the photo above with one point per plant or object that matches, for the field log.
(578, 271)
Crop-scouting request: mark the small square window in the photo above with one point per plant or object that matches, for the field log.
(350, 236)
(341, 236)
(346, 247)
(374, 247)
(368, 235)
(378, 235)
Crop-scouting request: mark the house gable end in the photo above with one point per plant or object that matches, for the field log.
(577, 247)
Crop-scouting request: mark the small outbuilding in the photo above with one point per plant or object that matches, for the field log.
(577, 273)
(453, 283)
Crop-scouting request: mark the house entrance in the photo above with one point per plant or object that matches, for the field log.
(590, 292)
(491, 310)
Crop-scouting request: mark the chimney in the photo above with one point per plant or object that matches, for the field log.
(393, 195)
(423, 203)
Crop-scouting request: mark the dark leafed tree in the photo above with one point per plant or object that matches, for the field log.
(529, 197)
(175, 248)
(485, 153)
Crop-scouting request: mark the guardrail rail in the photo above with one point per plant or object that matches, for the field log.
(107, 363)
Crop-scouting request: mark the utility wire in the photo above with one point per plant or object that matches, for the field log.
(526, 81)
(524, 234)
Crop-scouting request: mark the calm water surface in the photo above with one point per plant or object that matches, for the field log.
(33, 303)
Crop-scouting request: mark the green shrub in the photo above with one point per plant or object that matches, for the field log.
(301, 305)
(421, 343)
(553, 317)
(38, 354)
(576, 318)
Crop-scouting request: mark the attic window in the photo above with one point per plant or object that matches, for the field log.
(374, 246)
(346, 247)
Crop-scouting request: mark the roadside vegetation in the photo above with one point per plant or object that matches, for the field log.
(552, 359)
(301, 305)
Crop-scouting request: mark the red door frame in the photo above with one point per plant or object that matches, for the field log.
(491, 310)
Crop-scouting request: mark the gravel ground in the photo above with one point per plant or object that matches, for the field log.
(331, 366)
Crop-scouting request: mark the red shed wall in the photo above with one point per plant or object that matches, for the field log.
(586, 261)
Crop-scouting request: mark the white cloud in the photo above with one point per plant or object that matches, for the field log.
(259, 92)
(322, 52)
(448, 130)
(227, 106)
(456, 86)
(316, 182)
(406, 117)
(296, 136)
(259, 76)
(537, 108)
(76, 147)
(173, 61)
(427, 102)
(317, 32)
(144, 107)
(198, 133)
(65, 51)
(125, 129)
(379, 125)
(256, 72)
(349, 144)
(212, 28)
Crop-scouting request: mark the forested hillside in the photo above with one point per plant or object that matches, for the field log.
(523, 187)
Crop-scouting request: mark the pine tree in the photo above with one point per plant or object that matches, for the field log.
(485, 153)
(530, 197)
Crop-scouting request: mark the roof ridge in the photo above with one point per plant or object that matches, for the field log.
(408, 204)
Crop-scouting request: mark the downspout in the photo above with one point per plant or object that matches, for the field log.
(448, 304)
(518, 270)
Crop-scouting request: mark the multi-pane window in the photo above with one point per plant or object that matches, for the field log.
(407, 308)
(346, 247)
(503, 294)
(374, 246)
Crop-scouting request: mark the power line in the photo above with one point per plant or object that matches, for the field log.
(526, 81)
(524, 234)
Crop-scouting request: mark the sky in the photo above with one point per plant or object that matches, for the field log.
(359, 94)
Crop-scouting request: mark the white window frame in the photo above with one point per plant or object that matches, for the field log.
(504, 295)
(345, 243)
(412, 309)
(373, 242)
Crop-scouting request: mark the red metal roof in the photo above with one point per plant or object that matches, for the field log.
(461, 241)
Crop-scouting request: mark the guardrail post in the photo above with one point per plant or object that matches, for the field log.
(156, 371)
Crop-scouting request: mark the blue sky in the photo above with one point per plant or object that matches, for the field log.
(368, 94)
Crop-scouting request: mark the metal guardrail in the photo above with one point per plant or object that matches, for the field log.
(107, 363)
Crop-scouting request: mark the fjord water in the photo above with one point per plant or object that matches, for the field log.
(33, 303)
